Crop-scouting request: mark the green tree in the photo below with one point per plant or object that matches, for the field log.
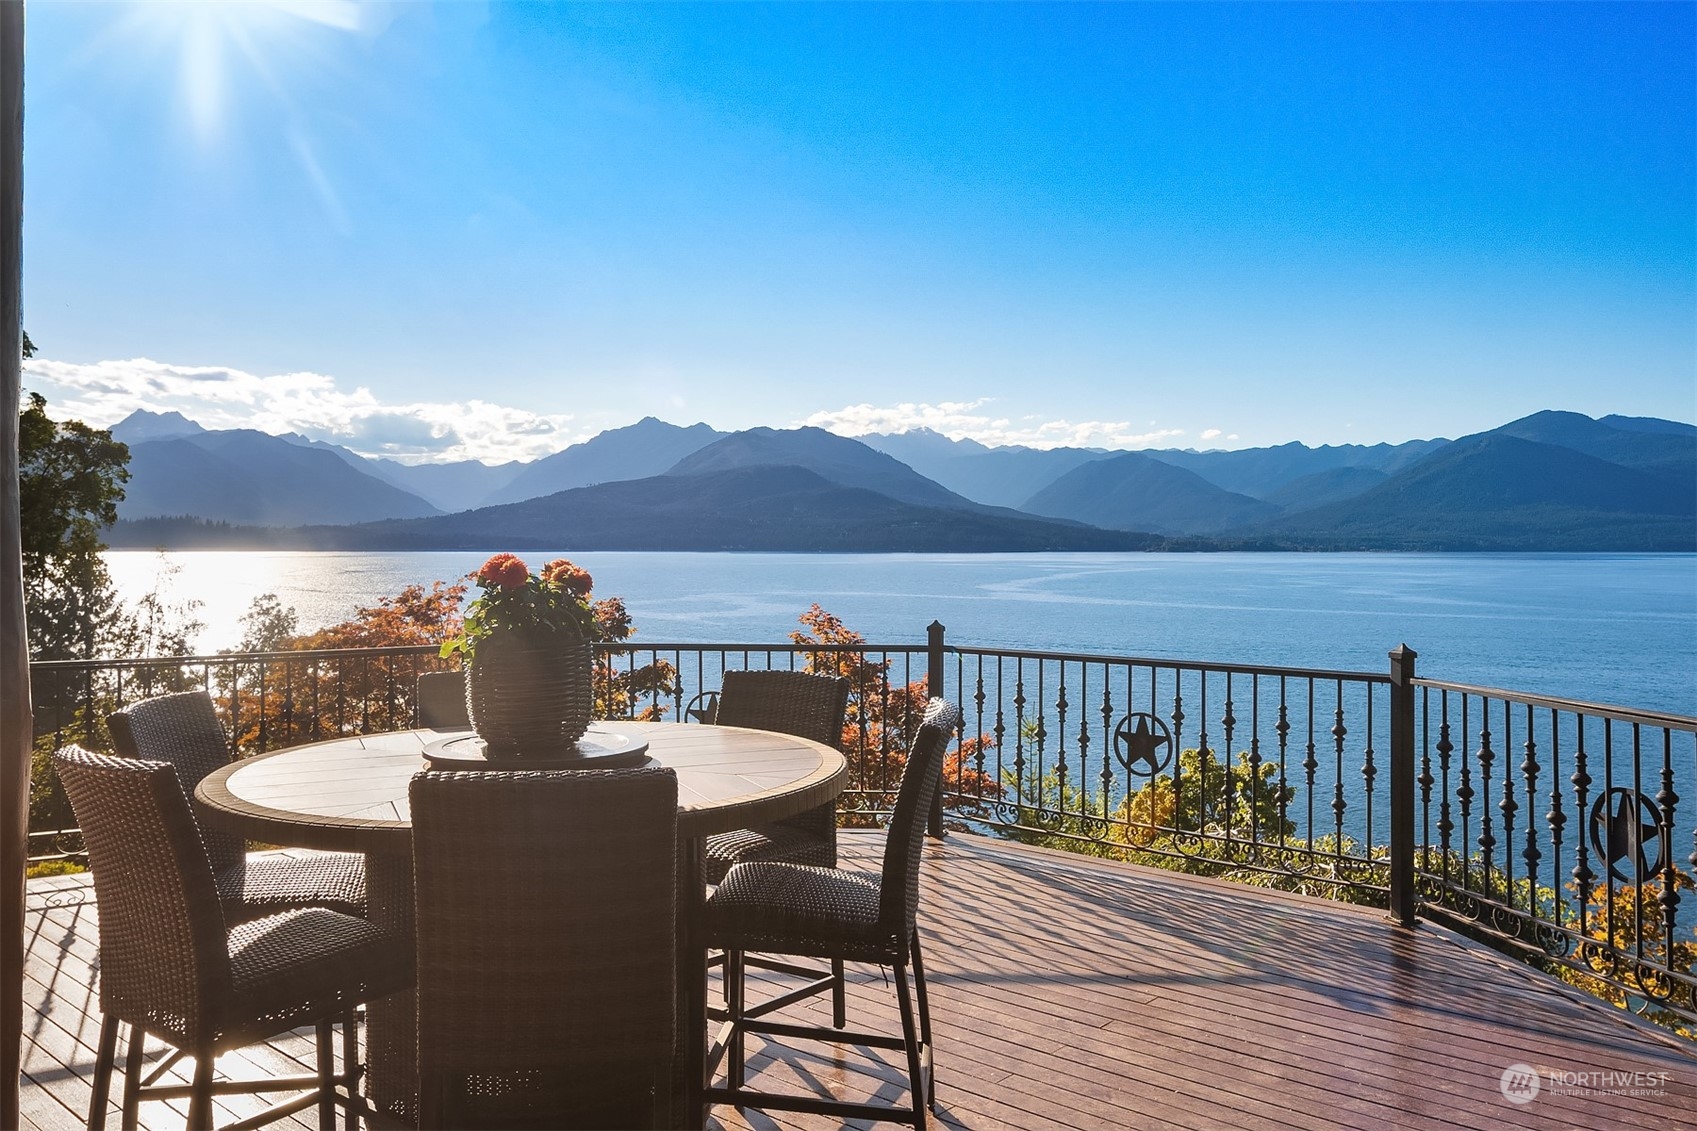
(268, 625)
(70, 480)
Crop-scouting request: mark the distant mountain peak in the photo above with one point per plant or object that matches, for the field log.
(635, 451)
(141, 426)
(920, 442)
(838, 459)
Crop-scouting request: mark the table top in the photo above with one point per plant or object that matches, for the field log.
(350, 794)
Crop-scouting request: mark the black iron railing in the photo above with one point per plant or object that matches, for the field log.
(1547, 826)
(1261, 770)
(1566, 831)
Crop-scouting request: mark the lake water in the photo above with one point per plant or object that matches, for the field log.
(1602, 628)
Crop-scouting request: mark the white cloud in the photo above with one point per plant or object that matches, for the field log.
(1211, 433)
(312, 404)
(959, 420)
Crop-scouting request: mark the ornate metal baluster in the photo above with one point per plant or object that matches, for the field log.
(1019, 733)
(1667, 800)
(1228, 722)
(978, 725)
(317, 719)
(288, 716)
(1508, 806)
(1529, 770)
(1255, 758)
(1039, 739)
(1204, 760)
(1310, 763)
(1608, 876)
(1425, 780)
(1487, 833)
(1061, 742)
(1464, 795)
(884, 749)
(1556, 819)
(1107, 740)
(1282, 729)
(1639, 877)
(1583, 876)
(1177, 718)
(1338, 803)
(341, 696)
(1369, 772)
(264, 719)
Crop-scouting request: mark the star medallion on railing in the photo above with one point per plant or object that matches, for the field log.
(1143, 744)
(1626, 827)
(704, 707)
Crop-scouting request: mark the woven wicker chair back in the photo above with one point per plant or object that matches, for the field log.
(546, 924)
(799, 703)
(905, 838)
(164, 962)
(441, 701)
(182, 729)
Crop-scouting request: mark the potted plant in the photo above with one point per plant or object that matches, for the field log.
(528, 659)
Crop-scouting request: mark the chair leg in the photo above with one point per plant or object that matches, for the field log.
(103, 1073)
(350, 1065)
(735, 971)
(924, 1019)
(326, 1075)
(132, 1080)
(839, 995)
(910, 1038)
(200, 1098)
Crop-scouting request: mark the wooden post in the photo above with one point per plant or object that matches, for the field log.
(934, 688)
(16, 731)
(1402, 785)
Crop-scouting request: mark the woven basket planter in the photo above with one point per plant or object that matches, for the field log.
(530, 696)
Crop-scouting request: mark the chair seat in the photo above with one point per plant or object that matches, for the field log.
(307, 963)
(264, 884)
(764, 844)
(777, 908)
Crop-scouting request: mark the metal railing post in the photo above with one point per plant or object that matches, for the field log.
(1402, 785)
(934, 688)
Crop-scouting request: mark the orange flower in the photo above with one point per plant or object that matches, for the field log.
(505, 571)
(572, 578)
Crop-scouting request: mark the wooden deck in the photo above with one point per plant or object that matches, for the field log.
(1074, 993)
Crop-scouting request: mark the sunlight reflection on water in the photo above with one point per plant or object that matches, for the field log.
(1604, 628)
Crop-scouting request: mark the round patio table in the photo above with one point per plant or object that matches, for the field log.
(350, 795)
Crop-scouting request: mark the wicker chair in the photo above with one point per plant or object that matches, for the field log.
(795, 909)
(548, 953)
(171, 968)
(441, 701)
(813, 707)
(798, 703)
(183, 730)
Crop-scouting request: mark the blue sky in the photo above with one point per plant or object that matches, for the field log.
(451, 230)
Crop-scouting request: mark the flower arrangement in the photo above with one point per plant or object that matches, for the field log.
(514, 599)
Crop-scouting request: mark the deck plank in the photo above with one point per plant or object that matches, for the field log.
(1082, 994)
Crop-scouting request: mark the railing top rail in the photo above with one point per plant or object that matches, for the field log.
(301, 654)
(790, 646)
(1180, 665)
(1637, 715)
(237, 657)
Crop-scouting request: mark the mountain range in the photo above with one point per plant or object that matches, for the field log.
(1549, 481)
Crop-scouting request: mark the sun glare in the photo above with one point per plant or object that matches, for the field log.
(213, 36)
